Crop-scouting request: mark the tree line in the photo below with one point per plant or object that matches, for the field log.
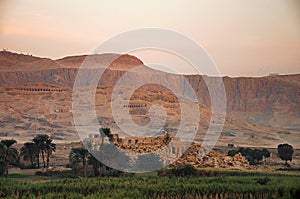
(40, 148)
(81, 158)
(255, 156)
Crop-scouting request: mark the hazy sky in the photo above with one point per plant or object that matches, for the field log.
(244, 37)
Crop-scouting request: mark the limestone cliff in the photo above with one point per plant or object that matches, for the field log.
(269, 101)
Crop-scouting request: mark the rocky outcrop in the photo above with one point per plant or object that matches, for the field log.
(196, 156)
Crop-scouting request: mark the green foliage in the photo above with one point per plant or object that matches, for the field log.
(43, 147)
(97, 165)
(77, 156)
(116, 173)
(142, 163)
(57, 174)
(8, 154)
(254, 156)
(28, 152)
(188, 170)
(263, 181)
(105, 131)
(266, 153)
(2, 169)
(232, 153)
(112, 156)
(154, 187)
(285, 152)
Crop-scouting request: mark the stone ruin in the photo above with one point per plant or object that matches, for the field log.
(200, 158)
(195, 154)
(139, 144)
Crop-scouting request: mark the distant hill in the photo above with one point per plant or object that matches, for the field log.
(254, 104)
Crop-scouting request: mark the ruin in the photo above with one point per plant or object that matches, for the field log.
(177, 150)
(140, 144)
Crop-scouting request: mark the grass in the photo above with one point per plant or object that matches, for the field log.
(256, 186)
(22, 176)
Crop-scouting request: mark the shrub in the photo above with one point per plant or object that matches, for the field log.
(254, 156)
(188, 170)
(263, 181)
(2, 168)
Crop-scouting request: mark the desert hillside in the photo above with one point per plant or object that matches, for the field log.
(36, 96)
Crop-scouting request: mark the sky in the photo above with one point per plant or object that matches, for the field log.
(243, 37)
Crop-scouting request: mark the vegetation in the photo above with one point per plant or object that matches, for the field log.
(285, 152)
(79, 156)
(40, 147)
(142, 163)
(181, 182)
(8, 154)
(29, 152)
(188, 170)
(105, 132)
(155, 187)
(97, 165)
(49, 149)
(254, 156)
(113, 156)
(2, 169)
(44, 148)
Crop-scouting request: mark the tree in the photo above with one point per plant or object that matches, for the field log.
(112, 157)
(8, 154)
(97, 165)
(49, 148)
(254, 156)
(40, 146)
(232, 153)
(266, 153)
(105, 131)
(2, 168)
(44, 147)
(28, 152)
(187, 170)
(285, 152)
(79, 155)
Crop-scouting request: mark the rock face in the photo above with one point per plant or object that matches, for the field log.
(39, 90)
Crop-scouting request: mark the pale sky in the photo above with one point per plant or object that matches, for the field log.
(243, 37)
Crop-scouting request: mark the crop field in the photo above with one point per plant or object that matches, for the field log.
(254, 186)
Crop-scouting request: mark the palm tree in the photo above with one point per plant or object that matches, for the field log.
(78, 155)
(28, 152)
(105, 131)
(45, 147)
(49, 147)
(8, 154)
(97, 165)
(40, 146)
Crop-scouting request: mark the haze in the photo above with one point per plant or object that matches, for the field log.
(243, 37)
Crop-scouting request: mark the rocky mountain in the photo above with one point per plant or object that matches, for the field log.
(262, 109)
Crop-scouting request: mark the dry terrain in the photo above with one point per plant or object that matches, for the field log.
(36, 97)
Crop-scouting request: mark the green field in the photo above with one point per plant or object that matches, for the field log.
(254, 186)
